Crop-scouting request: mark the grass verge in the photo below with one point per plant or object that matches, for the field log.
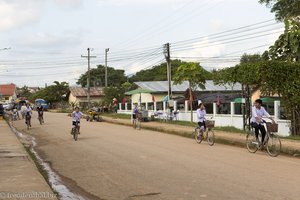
(293, 137)
(284, 151)
(113, 115)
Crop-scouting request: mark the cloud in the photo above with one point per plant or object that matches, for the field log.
(142, 2)
(203, 48)
(69, 3)
(42, 40)
(19, 13)
(215, 24)
(15, 13)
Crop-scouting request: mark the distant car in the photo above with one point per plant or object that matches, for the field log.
(42, 102)
(6, 106)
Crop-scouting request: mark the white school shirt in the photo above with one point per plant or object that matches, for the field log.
(76, 116)
(29, 111)
(260, 113)
(201, 115)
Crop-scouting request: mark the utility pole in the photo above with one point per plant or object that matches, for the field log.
(106, 51)
(89, 75)
(169, 72)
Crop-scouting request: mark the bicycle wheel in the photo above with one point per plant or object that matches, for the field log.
(210, 137)
(273, 145)
(198, 135)
(75, 133)
(252, 144)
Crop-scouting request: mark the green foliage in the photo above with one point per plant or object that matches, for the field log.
(127, 86)
(113, 92)
(53, 94)
(191, 72)
(242, 73)
(24, 92)
(272, 77)
(159, 72)
(194, 74)
(283, 9)
(251, 58)
(281, 78)
(286, 47)
(115, 77)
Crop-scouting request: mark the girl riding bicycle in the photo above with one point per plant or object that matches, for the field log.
(201, 113)
(76, 116)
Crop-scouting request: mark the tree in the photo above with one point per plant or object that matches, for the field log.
(194, 74)
(282, 78)
(159, 72)
(126, 86)
(54, 93)
(24, 92)
(251, 58)
(113, 92)
(286, 47)
(283, 9)
(272, 77)
(115, 77)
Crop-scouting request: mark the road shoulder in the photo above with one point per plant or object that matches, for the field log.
(20, 178)
(291, 148)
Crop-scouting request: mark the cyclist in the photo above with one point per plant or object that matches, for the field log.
(28, 113)
(23, 110)
(258, 112)
(76, 116)
(40, 110)
(201, 112)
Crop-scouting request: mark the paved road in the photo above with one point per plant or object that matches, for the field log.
(118, 163)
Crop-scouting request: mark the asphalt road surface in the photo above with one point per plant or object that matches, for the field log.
(115, 162)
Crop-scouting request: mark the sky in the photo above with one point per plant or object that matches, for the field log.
(46, 38)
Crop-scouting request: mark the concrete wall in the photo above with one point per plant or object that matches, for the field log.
(228, 119)
(146, 97)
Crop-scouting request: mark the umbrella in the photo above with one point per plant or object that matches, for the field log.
(268, 100)
(238, 100)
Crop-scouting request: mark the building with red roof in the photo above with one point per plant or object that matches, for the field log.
(8, 92)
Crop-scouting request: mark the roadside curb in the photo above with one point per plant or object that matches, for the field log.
(189, 134)
(22, 169)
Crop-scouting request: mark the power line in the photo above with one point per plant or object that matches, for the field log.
(230, 30)
(228, 42)
(180, 20)
(154, 26)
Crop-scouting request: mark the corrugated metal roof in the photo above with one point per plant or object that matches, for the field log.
(162, 86)
(82, 92)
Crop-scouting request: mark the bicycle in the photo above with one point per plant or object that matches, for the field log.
(272, 140)
(28, 121)
(137, 121)
(75, 131)
(208, 134)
